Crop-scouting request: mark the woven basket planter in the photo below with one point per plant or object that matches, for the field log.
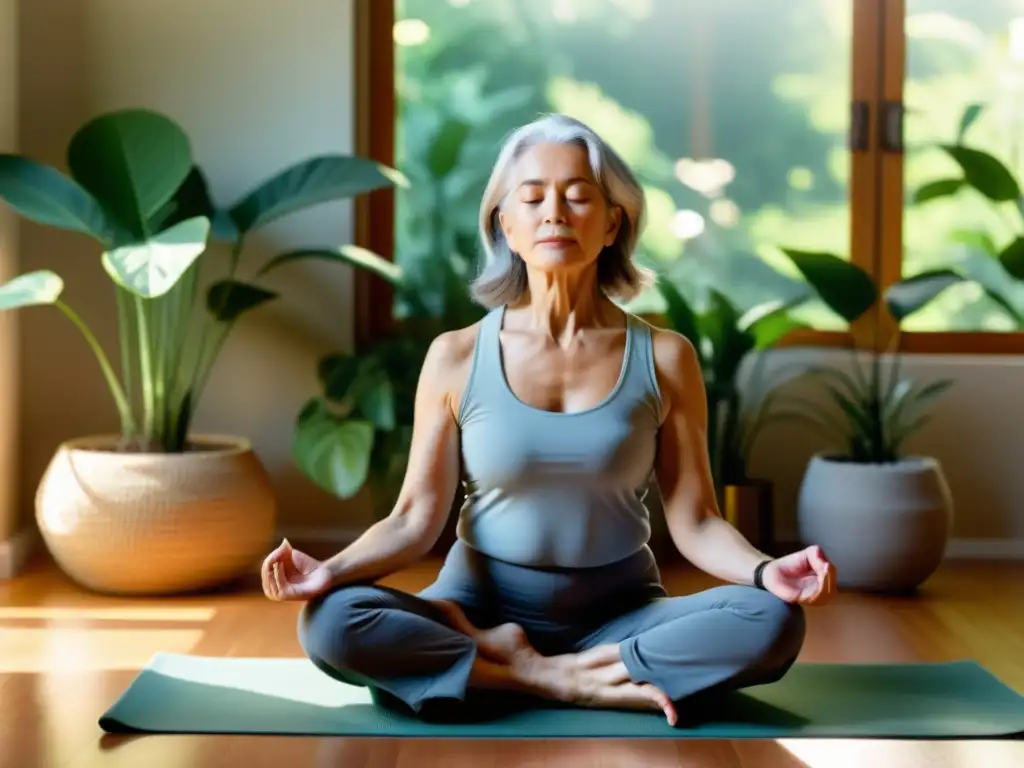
(150, 523)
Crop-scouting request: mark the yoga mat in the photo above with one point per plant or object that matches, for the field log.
(178, 693)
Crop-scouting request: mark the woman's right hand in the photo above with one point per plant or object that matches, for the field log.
(288, 574)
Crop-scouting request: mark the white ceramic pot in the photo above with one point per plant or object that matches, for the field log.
(150, 523)
(885, 526)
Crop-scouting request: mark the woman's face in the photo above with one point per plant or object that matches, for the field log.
(555, 215)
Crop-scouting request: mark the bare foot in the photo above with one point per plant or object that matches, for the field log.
(594, 678)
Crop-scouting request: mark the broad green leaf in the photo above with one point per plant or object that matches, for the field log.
(680, 314)
(985, 173)
(443, 155)
(972, 238)
(154, 266)
(31, 289)
(333, 452)
(936, 189)
(844, 287)
(44, 195)
(227, 299)
(308, 183)
(132, 161)
(770, 322)
(353, 255)
(376, 401)
(193, 199)
(910, 294)
(1012, 258)
(967, 119)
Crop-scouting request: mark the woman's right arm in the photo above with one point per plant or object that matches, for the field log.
(431, 477)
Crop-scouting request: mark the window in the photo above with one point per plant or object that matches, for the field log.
(753, 124)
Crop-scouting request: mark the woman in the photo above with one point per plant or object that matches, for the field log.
(561, 408)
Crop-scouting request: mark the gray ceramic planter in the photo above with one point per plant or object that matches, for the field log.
(885, 526)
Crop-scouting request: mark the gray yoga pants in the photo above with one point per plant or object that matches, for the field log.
(403, 648)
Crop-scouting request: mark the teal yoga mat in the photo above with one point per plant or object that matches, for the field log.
(179, 693)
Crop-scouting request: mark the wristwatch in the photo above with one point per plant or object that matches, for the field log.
(759, 573)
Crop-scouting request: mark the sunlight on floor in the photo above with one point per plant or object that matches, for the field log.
(48, 651)
(856, 753)
(292, 679)
(63, 613)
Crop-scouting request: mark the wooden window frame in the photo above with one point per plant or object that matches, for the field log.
(876, 179)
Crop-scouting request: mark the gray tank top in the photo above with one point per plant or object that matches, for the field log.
(557, 489)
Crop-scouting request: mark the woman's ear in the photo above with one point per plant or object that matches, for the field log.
(614, 224)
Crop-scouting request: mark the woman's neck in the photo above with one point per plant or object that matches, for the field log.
(560, 305)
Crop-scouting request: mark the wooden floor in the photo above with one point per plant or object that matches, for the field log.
(66, 655)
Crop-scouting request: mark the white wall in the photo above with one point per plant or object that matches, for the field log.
(259, 83)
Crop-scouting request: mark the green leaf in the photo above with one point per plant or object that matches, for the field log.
(353, 255)
(1012, 258)
(680, 314)
(770, 322)
(44, 195)
(154, 266)
(227, 299)
(844, 287)
(729, 345)
(967, 119)
(336, 373)
(193, 199)
(333, 452)
(31, 289)
(937, 189)
(443, 155)
(311, 182)
(930, 392)
(376, 400)
(985, 173)
(910, 294)
(976, 239)
(132, 161)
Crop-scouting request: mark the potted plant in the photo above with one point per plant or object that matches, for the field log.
(724, 339)
(882, 516)
(156, 508)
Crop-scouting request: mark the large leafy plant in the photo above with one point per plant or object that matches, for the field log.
(724, 338)
(880, 406)
(133, 186)
(981, 172)
(359, 427)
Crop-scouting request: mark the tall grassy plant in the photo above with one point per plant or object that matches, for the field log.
(880, 407)
(133, 186)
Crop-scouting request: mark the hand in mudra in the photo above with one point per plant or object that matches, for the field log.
(804, 577)
(289, 574)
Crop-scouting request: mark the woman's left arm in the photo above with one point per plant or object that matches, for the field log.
(694, 521)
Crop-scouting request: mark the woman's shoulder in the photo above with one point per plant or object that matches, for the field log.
(451, 351)
(676, 362)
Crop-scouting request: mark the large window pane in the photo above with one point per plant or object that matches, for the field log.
(733, 112)
(962, 53)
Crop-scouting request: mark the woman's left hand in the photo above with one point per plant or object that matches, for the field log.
(804, 577)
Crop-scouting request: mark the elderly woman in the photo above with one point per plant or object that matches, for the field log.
(557, 409)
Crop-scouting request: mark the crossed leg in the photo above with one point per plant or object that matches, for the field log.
(419, 650)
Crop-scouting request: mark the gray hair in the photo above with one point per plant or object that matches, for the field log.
(502, 279)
